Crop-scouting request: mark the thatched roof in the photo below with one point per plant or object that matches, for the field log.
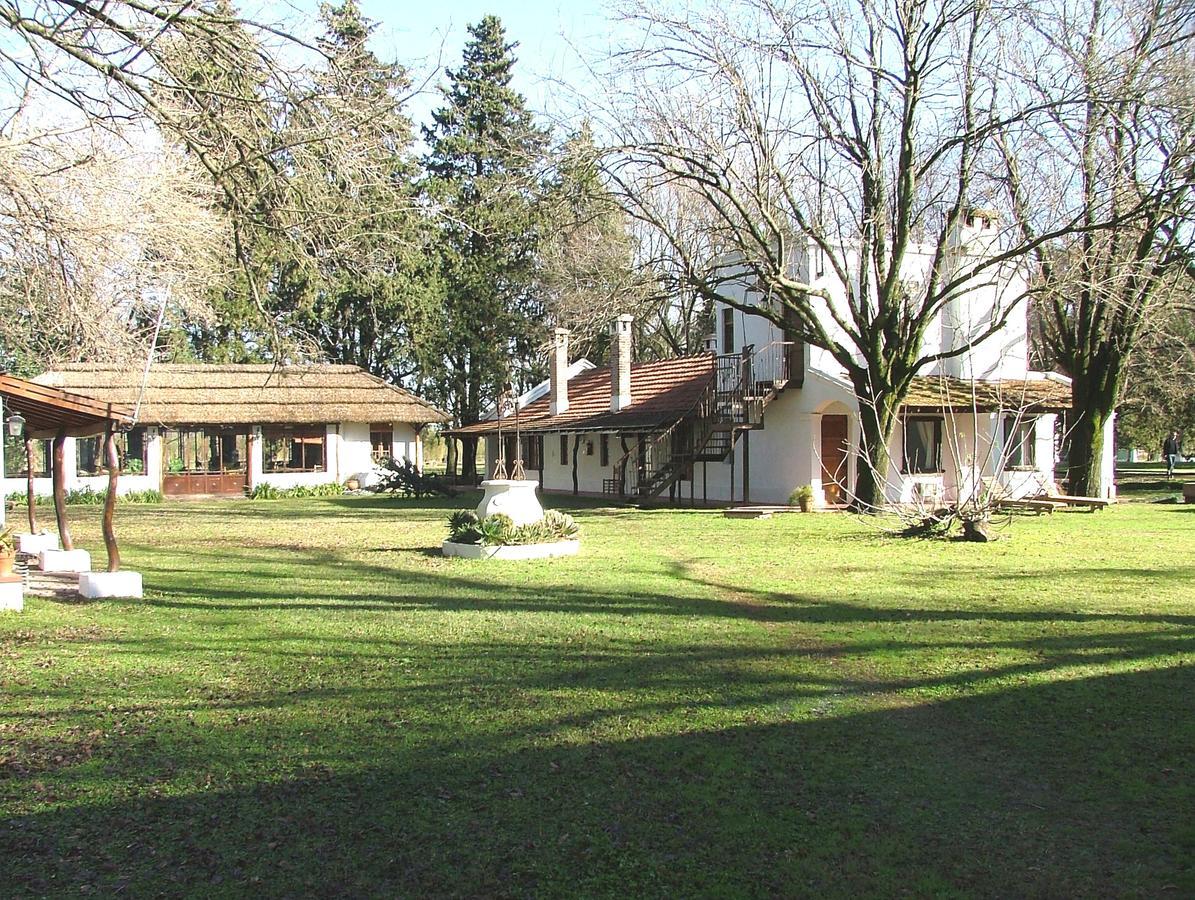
(662, 392)
(179, 394)
(937, 392)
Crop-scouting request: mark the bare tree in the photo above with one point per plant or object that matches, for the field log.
(1129, 145)
(281, 125)
(863, 132)
(98, 241)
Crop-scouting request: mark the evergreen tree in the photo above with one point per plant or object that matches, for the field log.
(484, 178)
(363, 302)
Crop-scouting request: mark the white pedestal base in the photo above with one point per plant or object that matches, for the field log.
(513, 498)
(511, 551)
(12, 595)
(95, 585)
(36, 543)
(65, 561)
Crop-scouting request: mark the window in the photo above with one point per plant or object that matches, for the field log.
(728, 330)
(298, 448)
(130, 452)
(1020, 444)
(195, 451)
(533, 452)
(564, 449)
(381, 440)
(14, 458)
(819, 256)
(923, 445)
(604, 450)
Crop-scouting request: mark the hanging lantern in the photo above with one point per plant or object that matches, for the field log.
(16, 424)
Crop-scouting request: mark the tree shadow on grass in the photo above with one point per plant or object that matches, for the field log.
(1066, 788)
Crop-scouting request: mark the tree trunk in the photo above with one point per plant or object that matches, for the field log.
(450, 455)
(1084, 462)
(469, 457)
(877, 418)
(64, 531)
(1093, 403)
(113, 464)
(30, 497)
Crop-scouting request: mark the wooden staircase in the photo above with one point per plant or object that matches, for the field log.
(744, 385)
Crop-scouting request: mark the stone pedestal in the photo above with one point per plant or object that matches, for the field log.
(513, 498)
(96, 585)
(511, 551)
(35, 543)
(65, 561)
(12, 593)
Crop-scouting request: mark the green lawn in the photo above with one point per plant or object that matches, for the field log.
(311, 701)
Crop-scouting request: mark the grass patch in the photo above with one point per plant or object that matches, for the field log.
(312, 701)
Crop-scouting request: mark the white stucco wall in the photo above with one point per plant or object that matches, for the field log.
(149, 479)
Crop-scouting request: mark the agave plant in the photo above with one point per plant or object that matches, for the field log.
(460, 523)
(561, 526)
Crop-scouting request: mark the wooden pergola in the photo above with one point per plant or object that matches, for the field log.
(53, 414)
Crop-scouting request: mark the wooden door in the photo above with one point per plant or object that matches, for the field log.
(834, 452)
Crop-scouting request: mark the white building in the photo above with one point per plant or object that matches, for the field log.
(759, 415)
(224, 429)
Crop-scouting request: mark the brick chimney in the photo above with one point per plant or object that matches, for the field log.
(558, 373)
(620, 362)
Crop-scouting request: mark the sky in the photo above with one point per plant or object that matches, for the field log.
(553, 37)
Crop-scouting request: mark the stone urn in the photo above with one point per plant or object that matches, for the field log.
(515, 498)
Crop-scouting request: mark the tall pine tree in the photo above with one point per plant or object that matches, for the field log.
(484, 178)
(364, 300)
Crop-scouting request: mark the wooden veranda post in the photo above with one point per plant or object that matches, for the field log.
(30, 497)
(64, 531)
(113, 464)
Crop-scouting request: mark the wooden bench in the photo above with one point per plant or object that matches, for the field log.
(1029, 505)
(1091, 503)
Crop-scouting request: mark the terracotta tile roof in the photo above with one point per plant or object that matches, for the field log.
(210, 394)
(940, 392)
(661, 393)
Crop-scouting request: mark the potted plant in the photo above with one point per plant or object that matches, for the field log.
(802, 497)
(8, 551)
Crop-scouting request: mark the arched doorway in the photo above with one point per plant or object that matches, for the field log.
(834, 452)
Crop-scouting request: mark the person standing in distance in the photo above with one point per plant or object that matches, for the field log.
(1170, 452)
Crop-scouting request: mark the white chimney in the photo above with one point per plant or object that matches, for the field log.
(620, 362)
(977, 231)
(558, 373)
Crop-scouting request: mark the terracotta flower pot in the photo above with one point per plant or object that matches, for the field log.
(7, 559)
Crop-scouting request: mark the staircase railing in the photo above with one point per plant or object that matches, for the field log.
(748, 381)
(701, 411)
(743, 384)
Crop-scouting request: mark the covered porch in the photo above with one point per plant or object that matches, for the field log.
(31, 412)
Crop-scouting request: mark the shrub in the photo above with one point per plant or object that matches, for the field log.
(85, 496)
(802, 496)
(563, 527)
(499, 529)
(403, 478)
(462, 527)
(147, 496)
(266, 491)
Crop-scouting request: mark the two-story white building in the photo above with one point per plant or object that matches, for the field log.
(759, 415)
